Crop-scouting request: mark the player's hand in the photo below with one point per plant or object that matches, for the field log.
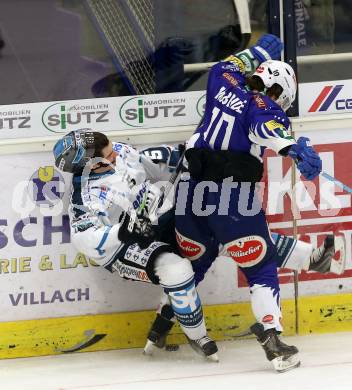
(268, 47)
(307, 159)
(153, 199)
(136, 229)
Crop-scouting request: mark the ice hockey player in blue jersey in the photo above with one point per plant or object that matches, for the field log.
(218, 204)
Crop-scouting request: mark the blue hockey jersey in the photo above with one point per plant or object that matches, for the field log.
(238, 119)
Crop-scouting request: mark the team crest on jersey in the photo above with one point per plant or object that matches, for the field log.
(193, 250)
(259, 101)
(247, 251)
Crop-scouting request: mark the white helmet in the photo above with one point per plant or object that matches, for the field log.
(278, 72)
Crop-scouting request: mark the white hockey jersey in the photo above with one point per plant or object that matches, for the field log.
(98, 201)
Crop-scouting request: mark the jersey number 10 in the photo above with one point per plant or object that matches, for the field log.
(222, 138)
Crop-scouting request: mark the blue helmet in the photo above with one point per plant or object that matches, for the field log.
(74, 150)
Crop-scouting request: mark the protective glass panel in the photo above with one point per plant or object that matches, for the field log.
(324, 28)
(73, 49)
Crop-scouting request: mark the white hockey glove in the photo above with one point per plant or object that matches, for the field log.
(153, 199)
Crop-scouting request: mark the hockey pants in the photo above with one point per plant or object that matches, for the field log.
(207, 216)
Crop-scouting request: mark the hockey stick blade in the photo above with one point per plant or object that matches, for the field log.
(247, 332)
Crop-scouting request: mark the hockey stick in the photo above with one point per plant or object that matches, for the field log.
(242, 9)
(177, 173)
(337, 182)
(156, 207)
(330, 178)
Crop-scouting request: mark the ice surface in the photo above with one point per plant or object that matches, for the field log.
(326, 365)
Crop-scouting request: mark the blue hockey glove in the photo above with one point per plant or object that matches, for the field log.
(268, 47)
(307, 159)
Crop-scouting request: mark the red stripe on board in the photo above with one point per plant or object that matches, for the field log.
(320, 98)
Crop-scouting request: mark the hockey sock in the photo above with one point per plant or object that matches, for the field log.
(265, 303)
(177, 278)
(188, 310)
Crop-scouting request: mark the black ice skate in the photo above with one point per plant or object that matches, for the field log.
(159, 330)
(322, 259)
(205, 347)
(284, 357)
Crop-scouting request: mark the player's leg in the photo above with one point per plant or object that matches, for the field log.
(177, 278)
(247, 240)
(194, 244)
(165, 318)
(161, 326)
(298, 255)
(266, 307)
(157, 264)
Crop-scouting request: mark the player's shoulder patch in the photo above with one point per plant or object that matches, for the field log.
(122, 149)
(259, 101)
(236, 63)
(272, 125)
(232, 80)
(117, 146)
(278, 128)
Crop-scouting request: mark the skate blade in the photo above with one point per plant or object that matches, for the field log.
(338, 265)
(213, 358)
(282, 365)
(149, 348)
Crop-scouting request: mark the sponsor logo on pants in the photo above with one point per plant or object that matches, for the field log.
(247, 251)
(268, 319)
(193, 250)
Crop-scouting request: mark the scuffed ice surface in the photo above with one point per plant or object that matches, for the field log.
(326, 365)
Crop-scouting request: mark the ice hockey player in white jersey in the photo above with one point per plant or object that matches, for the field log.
(111, 209)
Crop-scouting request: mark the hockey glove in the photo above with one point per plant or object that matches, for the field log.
(136, 230)
(153, 200)
(307, 159)
(268, 47)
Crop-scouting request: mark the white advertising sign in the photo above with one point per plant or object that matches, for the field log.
(327, 97)
(103, 114)
(147, 111)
